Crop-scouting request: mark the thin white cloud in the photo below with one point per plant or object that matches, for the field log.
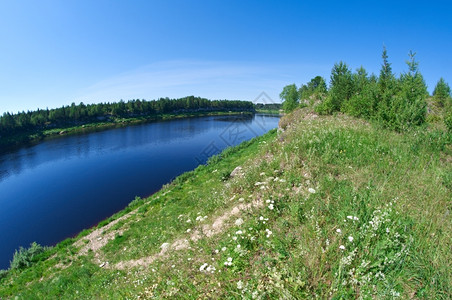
(213, 80)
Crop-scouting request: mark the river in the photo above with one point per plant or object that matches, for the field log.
(58, 187)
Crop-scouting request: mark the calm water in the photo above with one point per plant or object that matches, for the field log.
(55, 189)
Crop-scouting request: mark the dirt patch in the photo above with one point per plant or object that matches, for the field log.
(98, 238)
(208, 230)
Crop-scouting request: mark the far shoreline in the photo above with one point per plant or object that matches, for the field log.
(34, 137)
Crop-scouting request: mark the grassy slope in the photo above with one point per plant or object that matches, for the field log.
(346, 210)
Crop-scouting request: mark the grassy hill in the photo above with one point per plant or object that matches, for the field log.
(325, 206)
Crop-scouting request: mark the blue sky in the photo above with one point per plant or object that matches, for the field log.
(53, 53)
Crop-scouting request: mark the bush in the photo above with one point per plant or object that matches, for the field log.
(362, 104)
(136, 202)
(325, 107)
(448, 120)
(3, 274)
(24, 258)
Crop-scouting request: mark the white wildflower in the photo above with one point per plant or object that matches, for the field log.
(239, 222)
(311, 190)
(342, 247)
(234, 238)
(223, 249)
(240, 285)
(338, 230)
(203, 266)
(350, 238)
(239, 232)
(271, 207)
(210, 269)
(228, 262)
(269, 233)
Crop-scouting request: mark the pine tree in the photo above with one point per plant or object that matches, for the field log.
(386, 76)
(386, 90)
(441, 93)
(409, 107)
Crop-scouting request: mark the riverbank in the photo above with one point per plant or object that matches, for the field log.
(279, 112)
(113, 122)
(327, 206)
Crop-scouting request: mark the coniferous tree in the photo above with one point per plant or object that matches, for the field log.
(341, 89)
(408, 107)
(362, 101)
(387, 78)
(386, 90)
(441, 93)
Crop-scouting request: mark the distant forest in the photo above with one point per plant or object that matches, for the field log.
(11, 124)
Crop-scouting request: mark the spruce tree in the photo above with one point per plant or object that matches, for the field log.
(441, 93)
(341, 85)
(409, 107)
(386, 90)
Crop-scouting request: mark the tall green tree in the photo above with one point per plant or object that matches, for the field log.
(363, 100)
(316, 86)
(441, 93)
(289, 96)
(408, 107)
(386, 90)
(387, 78)
(341, 89)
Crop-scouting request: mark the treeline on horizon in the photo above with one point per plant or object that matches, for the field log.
(74, 114)
(398, 103)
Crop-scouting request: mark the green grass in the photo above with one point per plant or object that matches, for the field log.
(337, 208)
(269, 111)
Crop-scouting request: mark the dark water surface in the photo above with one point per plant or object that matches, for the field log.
(55, 189)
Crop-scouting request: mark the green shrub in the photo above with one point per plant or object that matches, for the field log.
(325, 107)
(448, 121)
(24, 258)
(3, 274)
(136, 202)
